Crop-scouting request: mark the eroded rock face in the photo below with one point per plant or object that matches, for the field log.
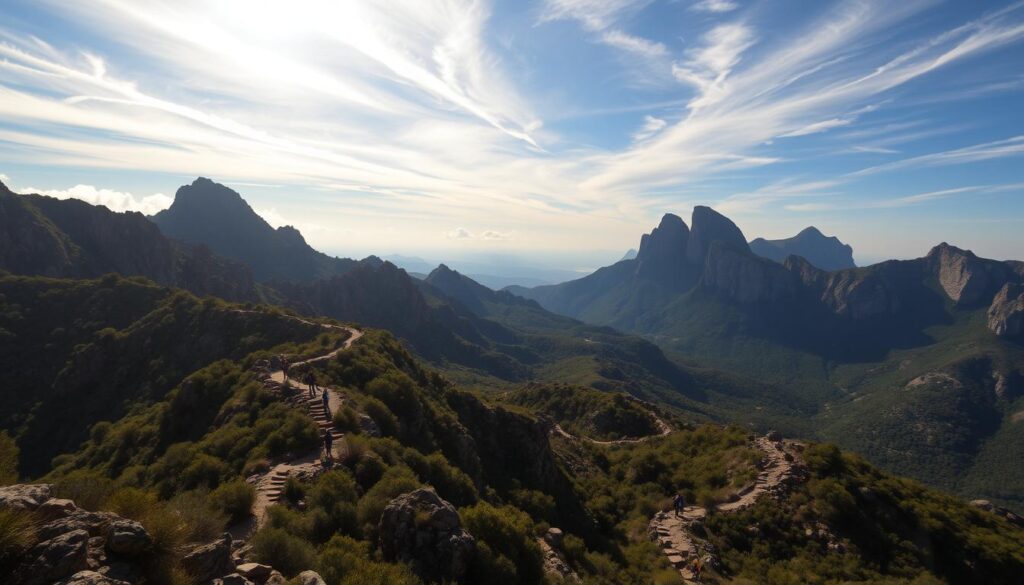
(421, 529)
(1006, 314)
(25, 496)
(207, 562)
(128, 537)
(55, 559)
(967, 279)
(662, 256)
(746, 278)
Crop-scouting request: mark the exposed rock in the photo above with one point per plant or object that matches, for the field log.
(1006, 315)
(276, 578)
(254, 571)
(55, 508)
(421, 529)
(744, 277)
(90, 578)
(25, 496)
(998, 511)
(662, 255)
(967, 279)
(95, 523)
(311, 578)
(707, 226)
(858, 295)
(56, 558)
(128, 537)
(207, 562)
(825, 253)
(554, 536)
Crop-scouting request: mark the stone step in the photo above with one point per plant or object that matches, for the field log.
(676, 560)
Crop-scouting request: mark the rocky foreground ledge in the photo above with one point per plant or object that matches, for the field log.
(73, 546)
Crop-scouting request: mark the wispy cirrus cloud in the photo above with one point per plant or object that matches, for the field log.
(715, 6)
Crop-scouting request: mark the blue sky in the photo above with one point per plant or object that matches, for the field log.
(557, 130)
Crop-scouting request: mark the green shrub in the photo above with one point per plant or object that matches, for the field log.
(283, 551)
(17, 533)
(346, 419)
(89, 489)
(382, 415)
(8, 459)
(509, 536)
(235, 498)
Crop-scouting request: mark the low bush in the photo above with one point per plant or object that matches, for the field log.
(235, 498)
(283, 551)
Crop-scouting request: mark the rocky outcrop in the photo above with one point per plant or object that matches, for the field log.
(662, 256)
(707, 226)
(74, 546)
(823, 252)
(310, 578)
(967, 279)
(1006, 314)
(207, 562)
(424, 531)
(745, 278)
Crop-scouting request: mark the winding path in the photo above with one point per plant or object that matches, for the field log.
(663, 429)
(270, 486)
(780, 466)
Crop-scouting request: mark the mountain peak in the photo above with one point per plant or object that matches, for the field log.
(810, 231)
(709, 226)
(662, 255)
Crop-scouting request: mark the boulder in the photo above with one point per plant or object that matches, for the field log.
(422, 530)
(207, 562)
(254, 571)
(128, 537)
(276, 578)
(554, 537)
(311, 578)
(1006, 314)
(95, 523)
(56, 558)
(55, 508)
(25, 496)
(90, 578)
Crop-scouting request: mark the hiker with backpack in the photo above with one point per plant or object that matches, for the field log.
(327, 404)
(678, 503)
(310, 380)
(329, 446)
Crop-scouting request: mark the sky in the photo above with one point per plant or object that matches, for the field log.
(551, 131)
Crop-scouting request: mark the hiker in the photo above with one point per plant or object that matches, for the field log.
(328, 446)
(310, 381)
(327, 404)
(678, 503)
(284, 369)
(698, 567)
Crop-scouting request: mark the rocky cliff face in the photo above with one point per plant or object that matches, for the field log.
(967, 279)
(425, 532)
(211, 214)
(745, 278)
(662, 255)
(1006, 314)
(826, 253)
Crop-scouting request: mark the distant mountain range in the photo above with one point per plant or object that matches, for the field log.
(826, 253)
(475, 334)
(931, 344)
